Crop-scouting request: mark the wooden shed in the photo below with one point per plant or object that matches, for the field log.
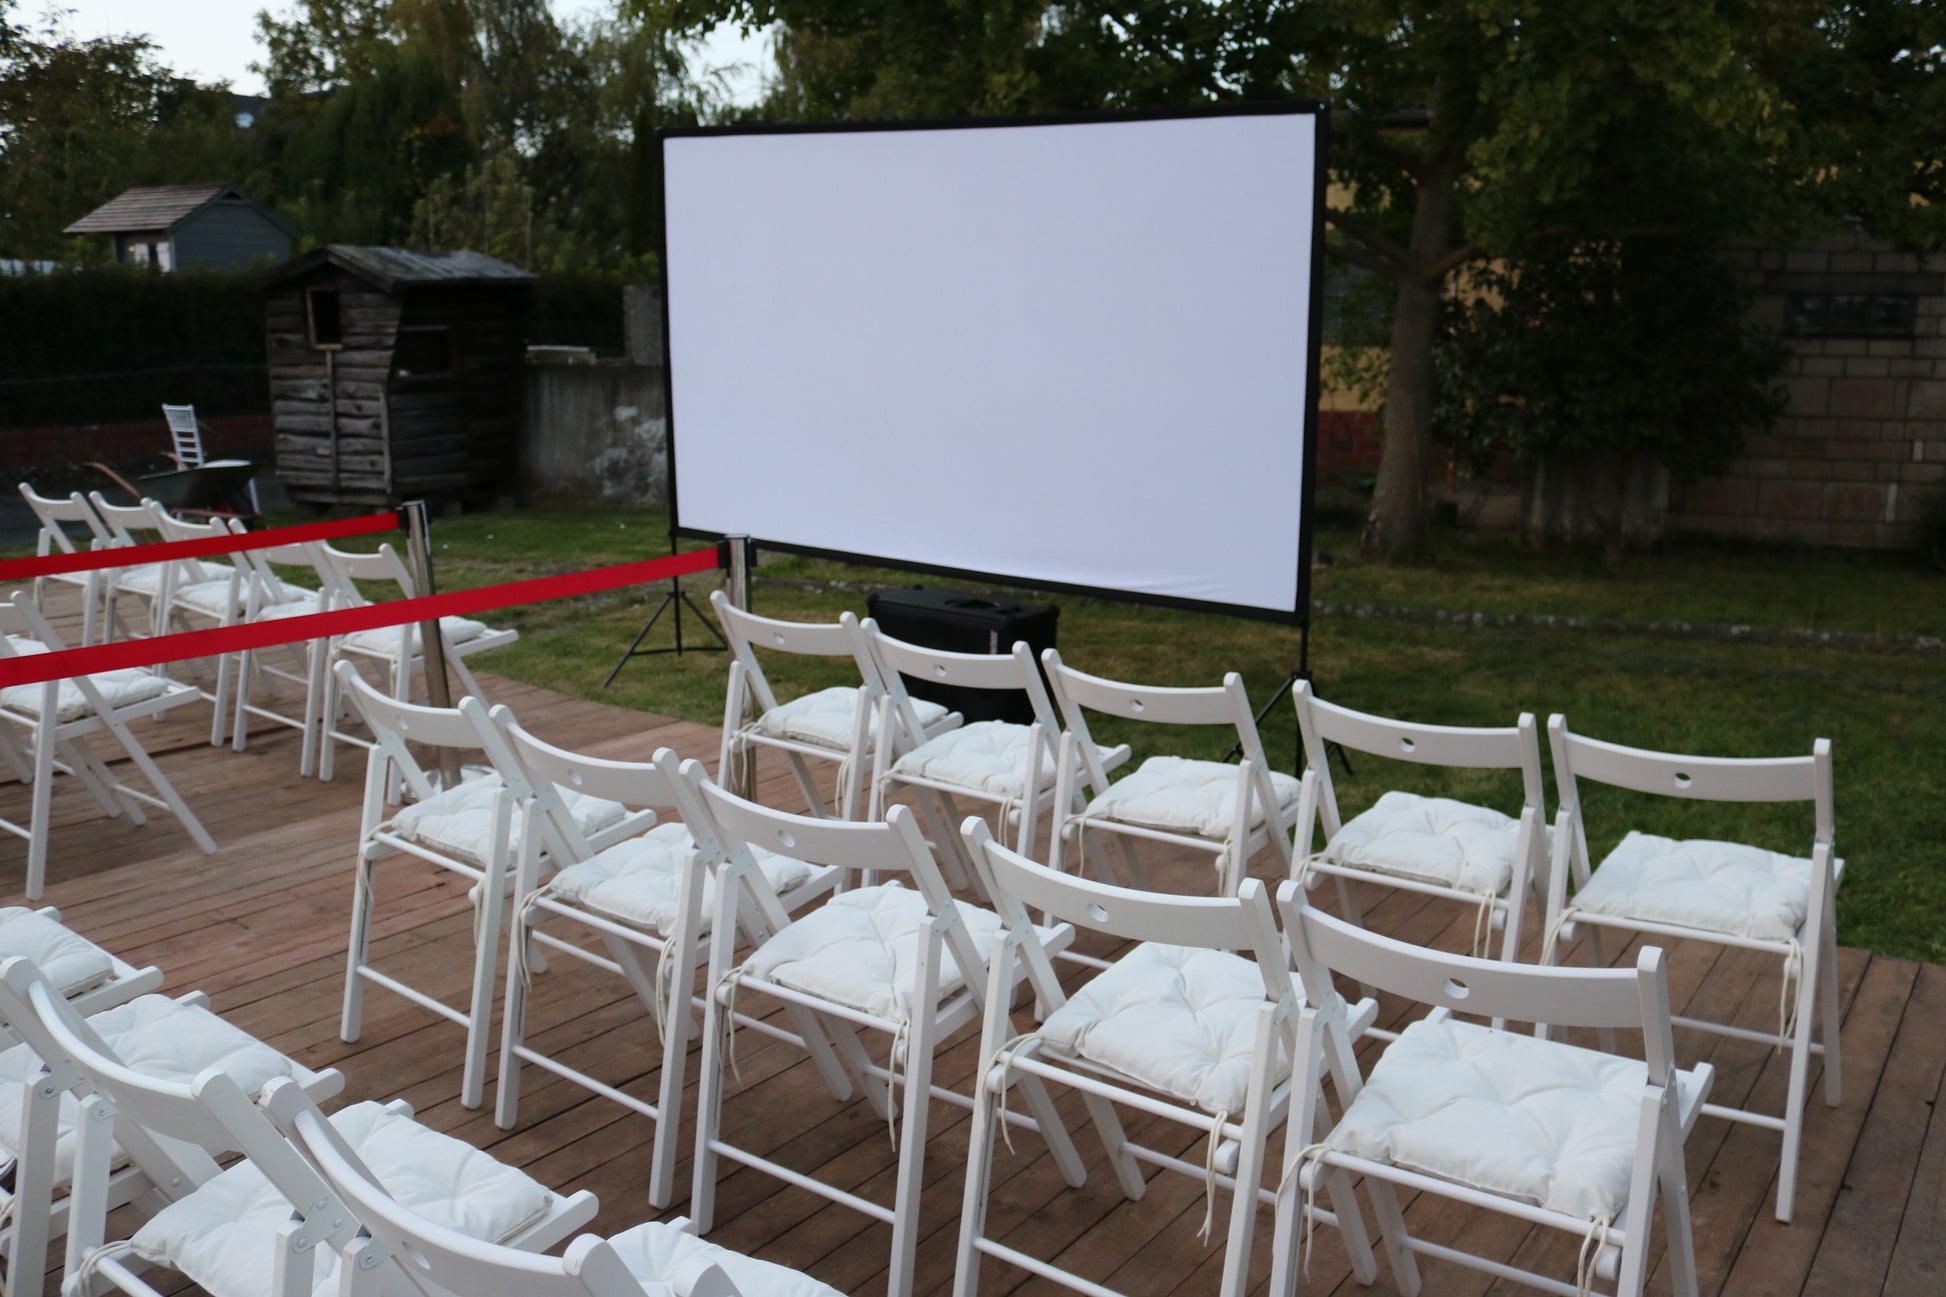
(395, 374)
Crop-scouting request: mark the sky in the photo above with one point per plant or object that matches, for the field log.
(214, 40)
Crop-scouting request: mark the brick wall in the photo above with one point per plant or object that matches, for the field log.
(243, 436)
(1862, 447)
(1348, 443)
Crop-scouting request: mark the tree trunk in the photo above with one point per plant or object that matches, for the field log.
(1396, 526)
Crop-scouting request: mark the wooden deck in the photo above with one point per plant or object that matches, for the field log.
(261, 926)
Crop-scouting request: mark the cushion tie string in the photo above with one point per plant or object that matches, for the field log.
(90, 1267)
(733, 980)
(1591, 1245)
(1483, 925)
(523, 921)
(664, 970)
(1301, 869)
(1310, 1199)
(899, 1039)
(1553, 935)
(1209, 1175)
(1004, 1056)
(1786, 1002)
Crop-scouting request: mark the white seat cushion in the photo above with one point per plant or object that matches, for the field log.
(1178, 1019)
(638, 881)
(1534, 1120)
(384, 641)
(211, 598)
(122, 688)
(224, 1235)
(665, 1261)
(1182, 795)
(459, 821)
(825, 718)
(1430, 840)
(861, 948)
(69, 962)
(987, 756)
(147, 579)
(1713, 886)
(153, 1035)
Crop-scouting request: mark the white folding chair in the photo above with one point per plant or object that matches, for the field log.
(225, 600)
(469, 829)
(1195, 1025)
(903, 960)
(52, 1125)
(1233, 811)
(185, 437)
(1546, 1132)
(273, 599)
(830, 724)
(646, 1260)
(132, 525)
(52, 722)
(1008, 764)
(56, 516)
(397, 652)
(1726, 893)
(647, 899)
(1433, 846)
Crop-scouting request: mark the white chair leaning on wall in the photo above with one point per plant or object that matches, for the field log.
(469, 829)
(649, 1259)
(1233, 811)
(1726, 893)
(1434, 846)
(49, 726)
(648, 900)
(1195, 1024)
(1009, 764)
(1574, 1139)
(830, 724)
(903, 960)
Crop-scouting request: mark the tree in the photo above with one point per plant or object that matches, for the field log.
(1461, 128)
(82, 120)
(1598, 360)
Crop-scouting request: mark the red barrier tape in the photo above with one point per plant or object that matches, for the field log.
(346, 621)
(26, 569)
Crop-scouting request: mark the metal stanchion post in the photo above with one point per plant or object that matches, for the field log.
(439, 692)
(743, 779)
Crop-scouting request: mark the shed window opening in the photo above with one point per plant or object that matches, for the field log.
(321, 310)
(423, 352)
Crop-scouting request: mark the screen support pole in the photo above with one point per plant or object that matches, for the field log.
(1303, 672)
(741, 779)
(674, 599)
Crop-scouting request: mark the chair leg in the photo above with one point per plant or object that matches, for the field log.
(709, 1102)
(1798, 1092)
(358, 951)
(979, 1172)
(917, 1095)
(33, 1203)
(1826, 973)
(492, 900)
(513, 1026)
(1678, 1233)
(43, 801)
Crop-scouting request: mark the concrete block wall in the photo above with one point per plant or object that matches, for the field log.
(1861, 449)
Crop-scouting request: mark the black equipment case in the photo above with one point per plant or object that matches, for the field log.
(966, 623)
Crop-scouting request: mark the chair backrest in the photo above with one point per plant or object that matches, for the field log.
(383, 565)
(53, 512)
(395, 724)
(1078, 693)
(747, 632)
(1604, 998)
(127, 523)
(184, 436)
(1243, 923)
(1715, 779)
(536, 771)
(431, 1254)
(1515, 747)
(897, 659)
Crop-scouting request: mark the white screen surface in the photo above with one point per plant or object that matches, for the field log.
(1072, 354)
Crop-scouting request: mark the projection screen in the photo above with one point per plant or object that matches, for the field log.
(1072, 354)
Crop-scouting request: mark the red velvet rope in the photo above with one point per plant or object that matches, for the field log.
(346, 621)
(26, 569)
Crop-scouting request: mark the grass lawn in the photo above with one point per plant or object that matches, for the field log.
(1885, 712)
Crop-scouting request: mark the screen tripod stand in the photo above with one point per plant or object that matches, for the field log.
(673, 600)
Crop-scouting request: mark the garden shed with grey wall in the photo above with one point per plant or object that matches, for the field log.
(396, 374)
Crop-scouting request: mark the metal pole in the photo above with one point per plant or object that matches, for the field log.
(432, 644)
(743, 779)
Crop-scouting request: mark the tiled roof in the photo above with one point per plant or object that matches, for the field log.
(395, 268)
(154, 207)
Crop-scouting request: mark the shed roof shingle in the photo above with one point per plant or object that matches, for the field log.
(152, 207)
(395, 268)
